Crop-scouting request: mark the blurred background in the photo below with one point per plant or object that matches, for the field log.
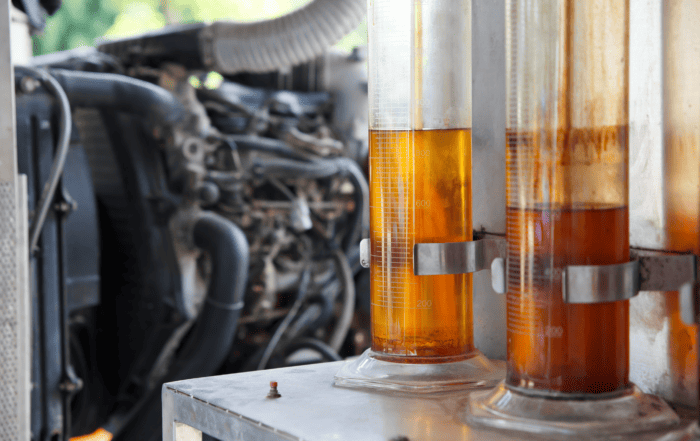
(214, 154)
(81, 23)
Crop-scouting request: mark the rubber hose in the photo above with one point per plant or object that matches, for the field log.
(264, 145)
(348, 281)
(209, 344)
(317, 345)
(284, 324)
(217, 324)
(286, 168)
(326, 311)
(292, 39)
(360, 219)
(303, 322)
(325, 168)
(121, 93)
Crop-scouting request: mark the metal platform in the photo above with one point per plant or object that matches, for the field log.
(236, 407)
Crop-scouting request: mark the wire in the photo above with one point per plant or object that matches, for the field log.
(65, 126)
(282, 328)
(346, 277)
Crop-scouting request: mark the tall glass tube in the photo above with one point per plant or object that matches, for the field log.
(420, 175)
(566, 189)
(420, 190)
(681, 98)
(567, 83)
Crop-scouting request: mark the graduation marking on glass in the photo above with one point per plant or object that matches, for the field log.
(420, 189)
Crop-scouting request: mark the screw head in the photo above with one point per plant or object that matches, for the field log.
(273, 390)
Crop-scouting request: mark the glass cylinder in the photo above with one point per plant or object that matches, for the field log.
(566, 189)
(420, 192)
(681, 101)
(420, 175)
(567, 76)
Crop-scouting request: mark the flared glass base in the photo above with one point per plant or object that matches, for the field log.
(690, 433)
(369, 371)
(507, 408)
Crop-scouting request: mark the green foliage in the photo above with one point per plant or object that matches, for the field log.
(82, 22)
(76, 24)
(358, 37)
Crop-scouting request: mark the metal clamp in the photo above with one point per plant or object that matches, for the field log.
(611, 283)
(600, 283)
(431, 259)
(581, 284)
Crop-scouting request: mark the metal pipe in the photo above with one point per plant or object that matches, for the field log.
(65, 126)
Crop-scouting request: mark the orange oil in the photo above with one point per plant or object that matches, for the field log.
(420, 193)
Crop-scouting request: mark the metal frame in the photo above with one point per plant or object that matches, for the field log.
(14, 271)
(236, 407)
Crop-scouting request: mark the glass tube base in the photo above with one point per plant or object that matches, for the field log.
(370, 371)
(506, 408)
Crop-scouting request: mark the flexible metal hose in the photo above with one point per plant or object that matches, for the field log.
(269, 45)
(64, 132)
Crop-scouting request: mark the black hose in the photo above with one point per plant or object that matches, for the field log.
(360, 218)
(265, 145)
(325, 168)
(65, 126)
(313, 343)
(209, 344)
(217, 324)
(285, 168)
(121, 93)
(286, 321)
(348, 282)
(326, 304)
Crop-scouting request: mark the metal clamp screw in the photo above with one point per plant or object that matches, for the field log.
(273, 390)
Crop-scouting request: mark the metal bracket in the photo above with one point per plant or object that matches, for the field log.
(610, 283)
(581, 284)
(430, 259)
(600, 283)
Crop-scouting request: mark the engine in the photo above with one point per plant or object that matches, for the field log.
(203, 224)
